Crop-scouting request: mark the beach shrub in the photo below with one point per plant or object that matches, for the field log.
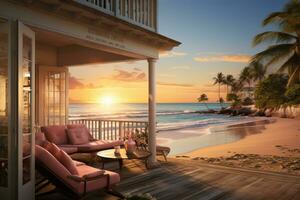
(235, 99)
(293, 95)
(270, 93)
(248, 101)
(232, 97)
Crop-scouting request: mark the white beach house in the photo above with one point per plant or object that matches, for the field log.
(39, 41)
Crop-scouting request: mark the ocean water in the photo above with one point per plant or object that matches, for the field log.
(170, 116)
(179, 126)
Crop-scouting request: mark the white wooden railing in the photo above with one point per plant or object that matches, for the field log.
(139, 12)
(111, 129)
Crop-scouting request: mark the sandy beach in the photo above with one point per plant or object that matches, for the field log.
(274, 147)
(274, 139)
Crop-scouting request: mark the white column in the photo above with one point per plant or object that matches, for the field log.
(152, 111)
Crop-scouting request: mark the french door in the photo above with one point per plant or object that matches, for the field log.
(26, 113)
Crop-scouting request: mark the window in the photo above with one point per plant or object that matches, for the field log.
(55, 98)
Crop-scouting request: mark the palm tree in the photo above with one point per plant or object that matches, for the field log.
(246, 77)
(258, 71)
(203, 98)
(219, 79)
(229, 80)
(285, 52)
(237, 86)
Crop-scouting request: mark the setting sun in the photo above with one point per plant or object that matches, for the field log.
(107, 100)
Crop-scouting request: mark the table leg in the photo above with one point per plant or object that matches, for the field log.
(102, 164)
(120, 163)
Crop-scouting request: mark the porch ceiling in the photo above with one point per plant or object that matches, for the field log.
(73, 52)
(74, 11)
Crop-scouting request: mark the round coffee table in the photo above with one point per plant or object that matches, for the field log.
(111, 155)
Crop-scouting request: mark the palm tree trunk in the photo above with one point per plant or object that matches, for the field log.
(249, 85)
(219, 92)
(226, 90)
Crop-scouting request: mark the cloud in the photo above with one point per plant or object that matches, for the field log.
(241, 58)
(169, 54)
(76, 83)
(174, 84)
(185, 67)
(128, 76)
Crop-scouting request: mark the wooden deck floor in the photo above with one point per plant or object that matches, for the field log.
(184, 179)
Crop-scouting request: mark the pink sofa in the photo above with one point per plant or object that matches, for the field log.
(82, 179)
(64, 137)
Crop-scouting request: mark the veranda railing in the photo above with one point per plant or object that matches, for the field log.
(104, 129)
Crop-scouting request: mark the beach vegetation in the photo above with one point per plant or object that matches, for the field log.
(293, 95)
(221, 100)
(248, 101)
(257, 71)
(237, 86)
(235, 99)
(285, 49)
(246, 76)
(270, 93)
(229, 81)
(203, 98)
(220, 80)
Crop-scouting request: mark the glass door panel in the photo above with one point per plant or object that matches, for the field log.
(4, 104)
(26, 104)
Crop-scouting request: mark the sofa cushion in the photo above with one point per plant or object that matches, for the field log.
(98, 145)
(77, 136)
(56, 134)
(45, 158)
(78, 163)
(40, 138)
(67, 161)
(85, 170)
(68, 148)
(86, 130)
(52, 148)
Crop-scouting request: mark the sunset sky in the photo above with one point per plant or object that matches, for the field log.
(216, 37)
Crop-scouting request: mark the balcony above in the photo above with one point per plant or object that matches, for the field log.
(139, 12)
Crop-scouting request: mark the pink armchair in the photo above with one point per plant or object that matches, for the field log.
(79, 181)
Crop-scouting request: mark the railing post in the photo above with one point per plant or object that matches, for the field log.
(121, 135)
(115, 6)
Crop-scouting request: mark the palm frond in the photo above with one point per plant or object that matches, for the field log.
(292, 61)
(278, 50)
(294, 77)
(272, 36)
(275, 17)
(277, 59)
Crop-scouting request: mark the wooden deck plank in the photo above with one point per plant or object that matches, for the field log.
(194, 180)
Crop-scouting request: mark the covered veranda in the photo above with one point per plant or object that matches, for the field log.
(38, 50)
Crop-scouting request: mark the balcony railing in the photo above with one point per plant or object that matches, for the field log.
(111, 129)
(139, 12)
